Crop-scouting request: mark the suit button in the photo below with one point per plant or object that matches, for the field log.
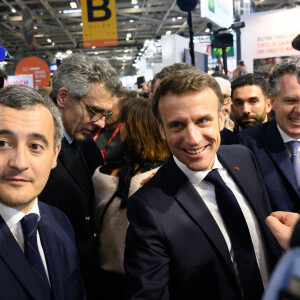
(87, 218)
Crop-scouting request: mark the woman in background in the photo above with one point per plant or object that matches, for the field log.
(144, 151)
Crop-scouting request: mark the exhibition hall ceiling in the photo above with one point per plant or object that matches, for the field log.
(137, 22)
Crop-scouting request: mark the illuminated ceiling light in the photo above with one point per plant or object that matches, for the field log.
(81, 24)
(69, 52)
(134, 1)
(13, 10)
(123, 68)
(35, 27)
(73, 4)
(140, 53)
(168, 32)
(131, 21)
(94, 47)
(128, 35)
(207, 30)
(127, 39)
(96, 53)
(48, 40)
(136, 7)
(173, 19)
(179, 18)
(53, 44)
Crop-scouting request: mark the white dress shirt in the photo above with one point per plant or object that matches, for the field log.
(13, 217)
(286, 139)
(207, 192)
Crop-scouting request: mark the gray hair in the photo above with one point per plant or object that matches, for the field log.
(290, 66)
(223, 83)
(23, 97)
(78, 71)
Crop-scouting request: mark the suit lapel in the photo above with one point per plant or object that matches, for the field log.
(16, 261)
(277, 150)
(191, 202)
(74, 165)
(238, 169)
(52, 256)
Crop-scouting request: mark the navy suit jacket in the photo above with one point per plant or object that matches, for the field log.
(71, 189)
(174, 247)
(275, 165)
(17, 279)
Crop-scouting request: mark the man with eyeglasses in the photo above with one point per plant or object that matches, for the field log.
(83, 88)
(275, 144)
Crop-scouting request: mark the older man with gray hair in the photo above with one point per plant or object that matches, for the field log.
(275, 144)
(83, 89)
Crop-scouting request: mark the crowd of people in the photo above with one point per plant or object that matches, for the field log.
(190, 190)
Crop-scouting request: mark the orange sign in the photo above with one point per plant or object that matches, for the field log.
(37, 67)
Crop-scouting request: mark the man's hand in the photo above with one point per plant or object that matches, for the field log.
(282, 223)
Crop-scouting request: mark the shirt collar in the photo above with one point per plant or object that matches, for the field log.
(12, 216)
(195, 177)
(67, 136)
(285, 137)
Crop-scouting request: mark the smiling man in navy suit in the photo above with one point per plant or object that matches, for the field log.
(197, 228)
(271, 142)
(38, 256)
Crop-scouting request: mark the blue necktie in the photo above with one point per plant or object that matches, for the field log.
(29, 226)
(294, 145)
(249, 274)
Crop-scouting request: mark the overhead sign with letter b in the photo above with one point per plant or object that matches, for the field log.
(99, 23)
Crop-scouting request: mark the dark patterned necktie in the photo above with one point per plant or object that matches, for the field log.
(29, 225)
(249, 274)
(294, 145)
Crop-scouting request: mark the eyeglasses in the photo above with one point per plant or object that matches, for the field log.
(227, 99)
(96, 115)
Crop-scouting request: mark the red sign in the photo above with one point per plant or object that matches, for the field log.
(37, 67)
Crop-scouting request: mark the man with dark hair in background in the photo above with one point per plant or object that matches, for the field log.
(275, 144)
(3, 79)
(250, 101)
(83, 88)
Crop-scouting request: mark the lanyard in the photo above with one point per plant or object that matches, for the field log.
(111, 138)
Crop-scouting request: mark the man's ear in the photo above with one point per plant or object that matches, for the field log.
(56, 152)
(61, 96)
(222, 119)
(272, 101)
(268, 105)
(162, 130)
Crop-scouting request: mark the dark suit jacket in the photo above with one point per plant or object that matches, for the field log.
(228, 137)
(71, 189)
(18, 280)
(174, 247)
(275, 165)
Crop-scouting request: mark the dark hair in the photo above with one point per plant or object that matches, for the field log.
(3, 74)
(250, 79)
(167, 71)
(24, 97)
(291, 66)
(183, 81)
(143, 142)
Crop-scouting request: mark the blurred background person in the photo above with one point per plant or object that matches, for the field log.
(144, 151)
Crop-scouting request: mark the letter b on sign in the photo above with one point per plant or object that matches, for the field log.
(102, 9)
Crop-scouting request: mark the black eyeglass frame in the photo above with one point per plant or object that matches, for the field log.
(96, 115)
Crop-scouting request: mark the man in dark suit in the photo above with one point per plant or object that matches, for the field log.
(269, 141)
(182, 241)
(83, 88)
(38, 255)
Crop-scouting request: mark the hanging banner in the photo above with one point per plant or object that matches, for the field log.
(28, 26)
(99, 23)
(21, 79)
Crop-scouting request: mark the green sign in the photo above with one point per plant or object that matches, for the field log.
(218, 52)
(211, 5)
